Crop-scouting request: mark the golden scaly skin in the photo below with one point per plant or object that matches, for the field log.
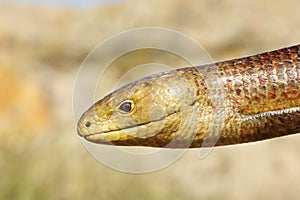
(176, 109)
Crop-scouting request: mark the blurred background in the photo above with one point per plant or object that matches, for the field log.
(42, 44)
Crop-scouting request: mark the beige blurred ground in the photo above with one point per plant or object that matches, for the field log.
(41, 48)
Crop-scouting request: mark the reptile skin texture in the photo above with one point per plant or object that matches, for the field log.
(231, 102)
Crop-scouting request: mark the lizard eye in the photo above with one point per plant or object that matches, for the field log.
(126, 106)
(87, 124)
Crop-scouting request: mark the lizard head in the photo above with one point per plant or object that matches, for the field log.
(146, 112)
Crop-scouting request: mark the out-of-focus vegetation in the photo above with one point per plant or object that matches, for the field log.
(41, 48)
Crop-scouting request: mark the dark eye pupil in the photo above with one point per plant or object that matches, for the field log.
(87, 124)
(126, 107)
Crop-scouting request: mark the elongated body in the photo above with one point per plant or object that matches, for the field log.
(231, 102)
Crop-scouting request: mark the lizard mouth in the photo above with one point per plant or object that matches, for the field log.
(135, 131)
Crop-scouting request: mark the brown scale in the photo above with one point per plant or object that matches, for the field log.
(264, 95)
(267, 97)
